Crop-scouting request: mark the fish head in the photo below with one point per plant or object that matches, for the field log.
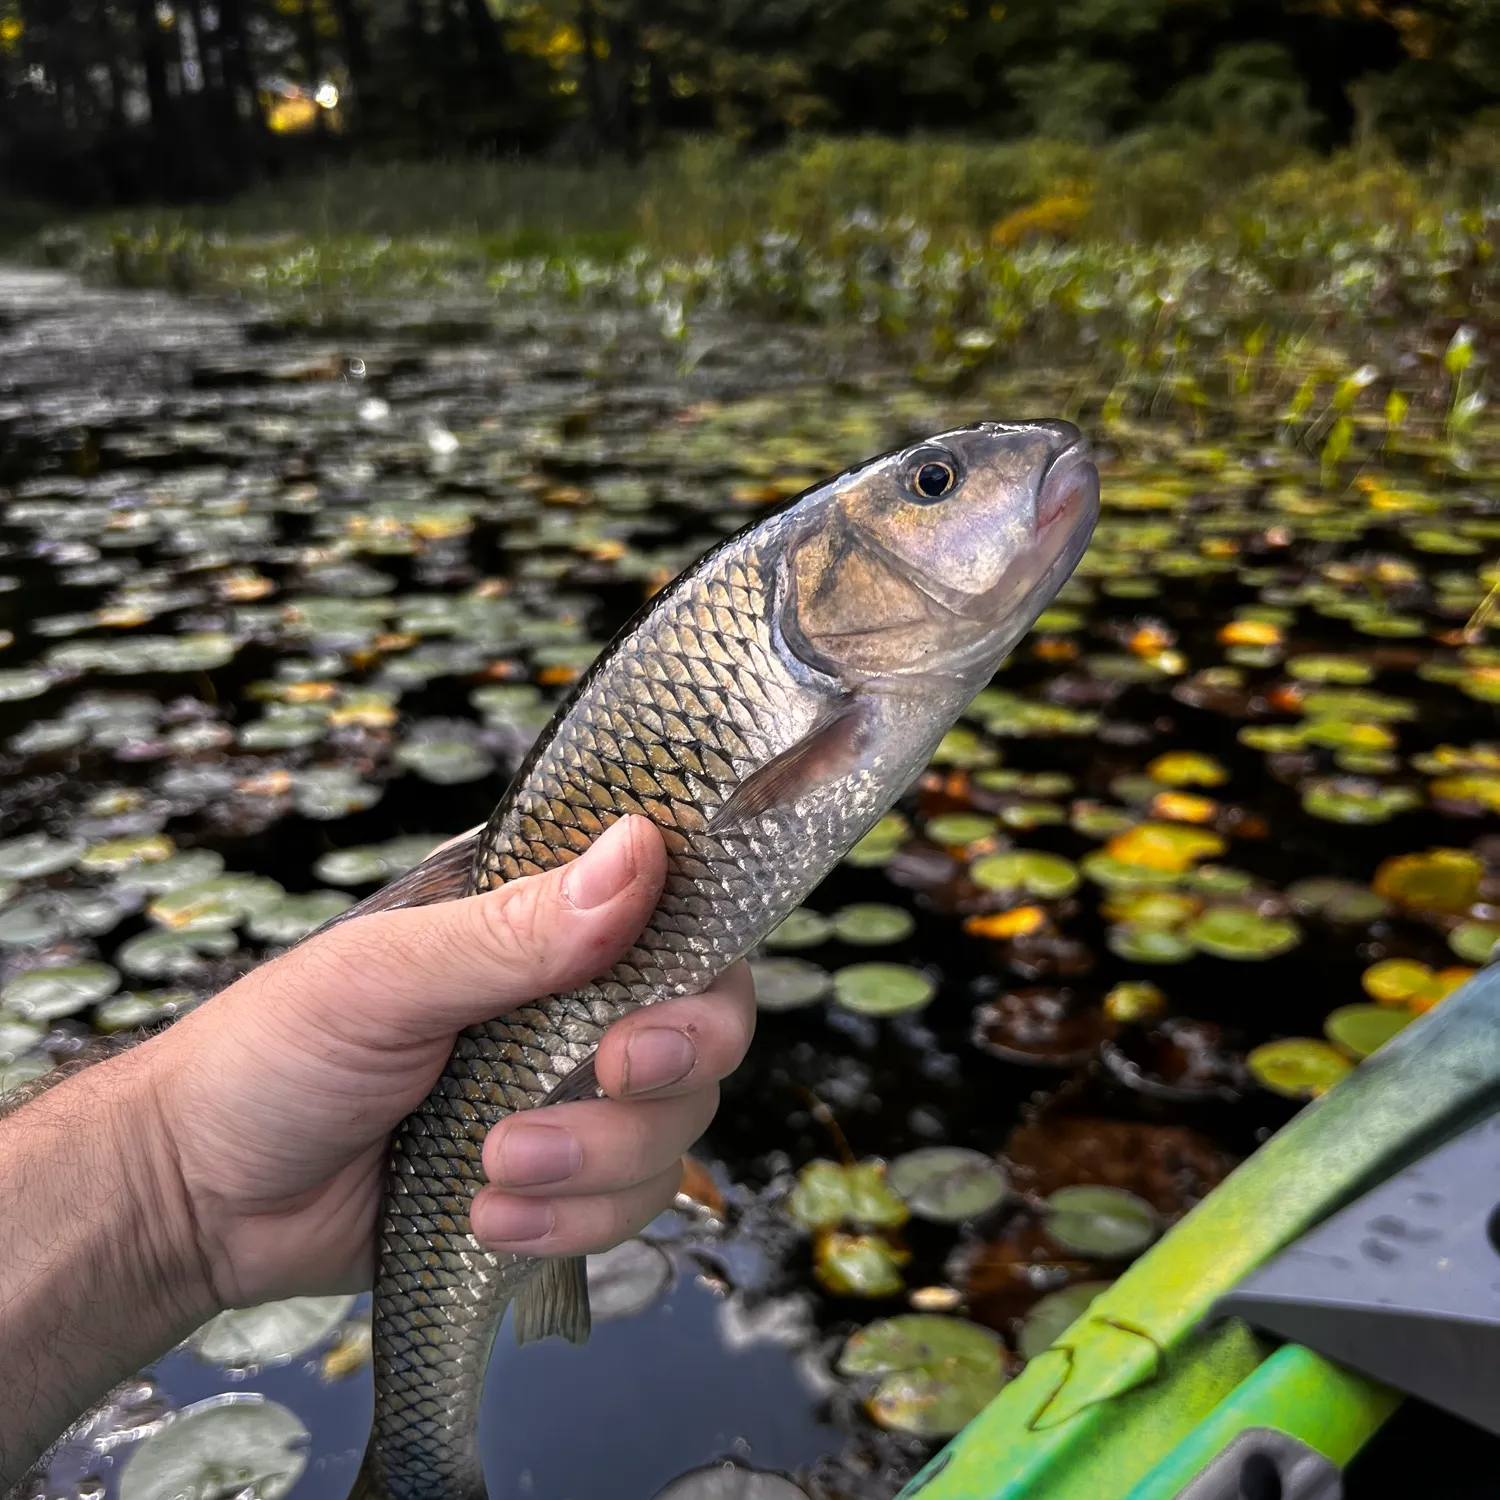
(934, 560)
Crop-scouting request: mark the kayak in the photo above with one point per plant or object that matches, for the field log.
(1148, 1395)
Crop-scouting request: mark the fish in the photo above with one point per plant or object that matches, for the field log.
(764, 710)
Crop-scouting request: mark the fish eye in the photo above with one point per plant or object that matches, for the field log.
(932, 477)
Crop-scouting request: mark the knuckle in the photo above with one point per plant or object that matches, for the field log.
(512, 931)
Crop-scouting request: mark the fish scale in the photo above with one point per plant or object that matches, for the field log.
(686, 703)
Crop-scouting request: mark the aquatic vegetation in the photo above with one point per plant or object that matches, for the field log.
(310, 617)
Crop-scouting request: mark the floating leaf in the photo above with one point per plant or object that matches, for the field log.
(46, 994)
(1298, 1067)
(1144, 944)
(948, 1184)
(871, 924)
(859, 1265)
(802, 928)
(880, 844)
(1240, 933)
(22, 1071)
(1360, 1030)
(959, 829)
(828, 1195)
(18, 1037)
(881, 989)
(292, 919)
(937, 1373)
(1187, 768)
(1475, 941)
(1103, 1222)
(1045, 876)
(114, 856)
(1050, 1318)
(1441, 880)
(31, 923)
(36, 854)
(627, 1279)
(1171, 848)
(270, 1334)
(141, 1008)
(230, 1444)
(788, 983)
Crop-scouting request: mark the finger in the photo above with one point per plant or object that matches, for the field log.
(595, 1145)
(676, 1046)
(425, 971)
(569, 1226)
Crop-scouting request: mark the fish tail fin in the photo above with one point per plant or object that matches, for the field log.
(555, 1300)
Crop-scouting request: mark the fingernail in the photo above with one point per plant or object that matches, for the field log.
(603, 871)
(534, 1154)
(510, 1221)
(657, 1057)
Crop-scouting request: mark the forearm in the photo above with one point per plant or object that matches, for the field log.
(98, 1271)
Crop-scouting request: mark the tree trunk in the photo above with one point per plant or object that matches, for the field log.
(593, 83)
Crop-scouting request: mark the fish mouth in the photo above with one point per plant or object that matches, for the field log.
(1069, 486)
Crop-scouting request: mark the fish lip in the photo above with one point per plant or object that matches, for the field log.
(1059, 478)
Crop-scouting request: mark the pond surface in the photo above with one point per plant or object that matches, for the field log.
(284, 603)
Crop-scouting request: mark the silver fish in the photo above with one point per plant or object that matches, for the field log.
(765, 710)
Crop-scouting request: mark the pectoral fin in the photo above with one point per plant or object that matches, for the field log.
(555, 1300)
(829, 750)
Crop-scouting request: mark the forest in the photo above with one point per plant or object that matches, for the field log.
(108, 102)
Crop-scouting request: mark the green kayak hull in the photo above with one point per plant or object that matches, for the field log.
(1139, 1393)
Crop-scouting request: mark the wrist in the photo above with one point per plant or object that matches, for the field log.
(99, 1268)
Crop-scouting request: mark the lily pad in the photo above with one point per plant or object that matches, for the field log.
(46, 994)
(270, 1334)
(228, 1445)
(1239, 933)
(18, 1037)
(959, 829)
(728, 1481)
(936, 1373)
(173, 955)
(1475, 941)
(626, 1279)
(802, 928)
(292, 919)
(1050, 1318)
(859, 1265)
(1048, 877)
(1360, 1030)
(788, 983)
(142, 1008)
(1102, 1223)
(872, 924)
(32, 922)
(1298, 1067)
(23, 1070)
(36, 854)
(828, 1195)
(877, 989)
(949, 1184)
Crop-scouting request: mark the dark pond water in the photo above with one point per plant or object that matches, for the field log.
(279, 592)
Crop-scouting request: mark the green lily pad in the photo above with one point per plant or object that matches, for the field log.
(828, 1195)
(876, 989)
(1048, 877)
(802, 928)
(1336, 900)
(1475, 941)
(1298, 1067)
(173, 955)
(190, 867)
(17, 683)
(1143, 943)
(1328, 668)
(1351, 800)
(36, 854)
(1360, 1030)
(962, 746)
(31, 922)
(1050, 1318)
(236, 1443)
(959, 828)
(46, 994)
(23, 1070)
(18, 1037)
(1101, 1222)
(788, 983)
(871, 924)
(141, 1008)
(270, 1334)
(879, 845)
(949, 1184)
(446, 762)
(937, 1374)
(858, 1265)
(292, 919)
(1239, 933)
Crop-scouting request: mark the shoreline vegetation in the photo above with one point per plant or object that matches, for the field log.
(1187, 264)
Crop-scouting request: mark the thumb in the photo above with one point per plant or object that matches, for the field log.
(423, 972)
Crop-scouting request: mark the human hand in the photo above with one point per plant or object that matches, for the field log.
(277, 1097)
